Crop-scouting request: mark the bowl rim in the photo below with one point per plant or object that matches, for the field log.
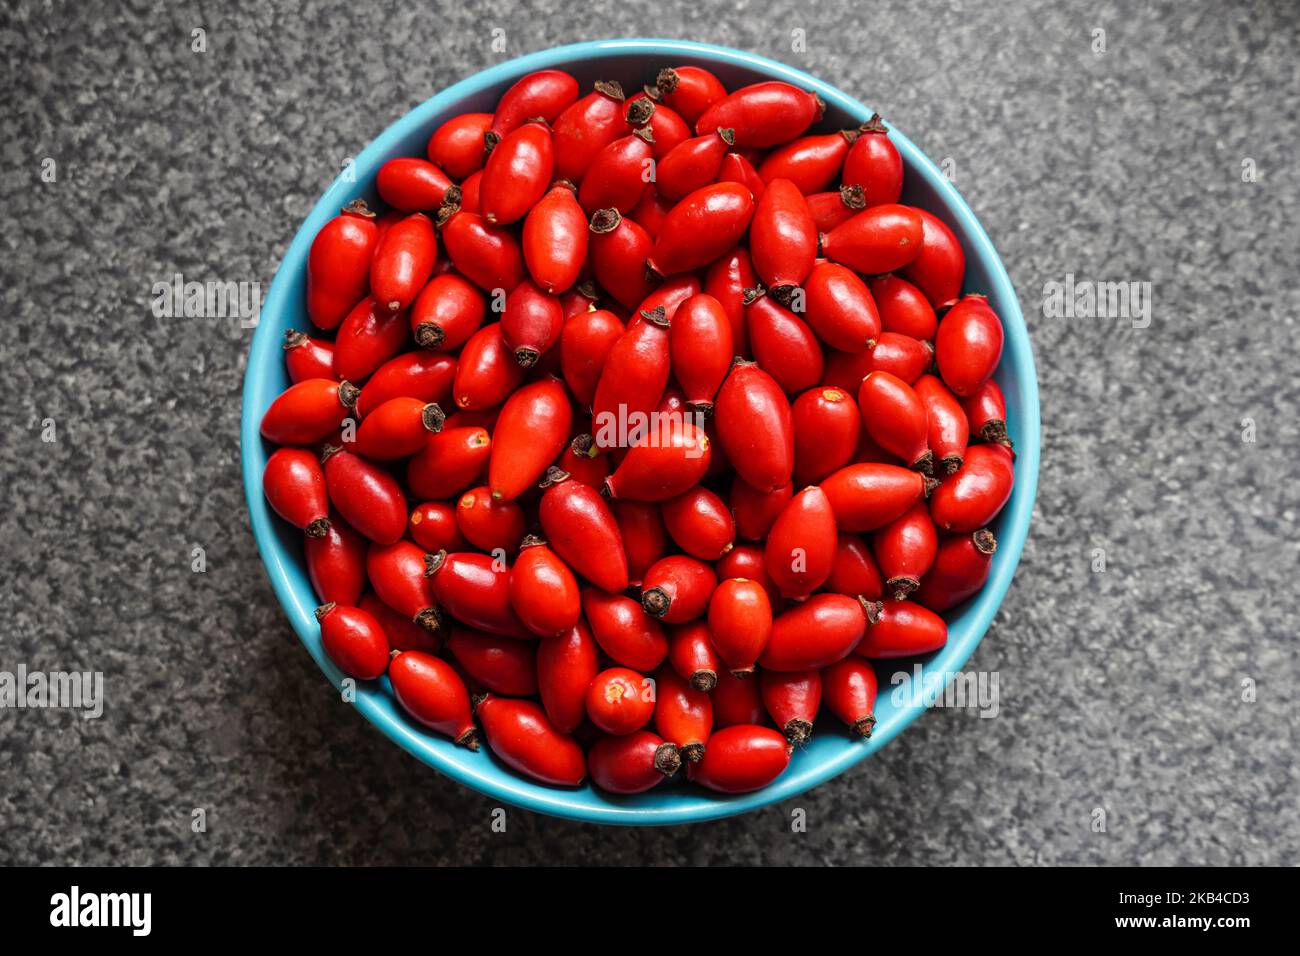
(488, 777)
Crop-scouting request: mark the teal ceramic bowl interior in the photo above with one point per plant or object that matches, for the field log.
(831, 751)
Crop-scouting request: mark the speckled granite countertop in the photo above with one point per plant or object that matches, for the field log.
(1121, 691)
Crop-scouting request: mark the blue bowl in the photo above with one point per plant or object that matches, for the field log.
(831, 751)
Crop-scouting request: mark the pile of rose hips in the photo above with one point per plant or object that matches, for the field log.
(553, 565)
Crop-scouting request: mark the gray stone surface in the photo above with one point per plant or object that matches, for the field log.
(1121, 690)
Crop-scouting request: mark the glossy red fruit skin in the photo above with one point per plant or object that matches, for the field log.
(905, 550)
(502, 665)
(446, 313)
(826, 427)
(421, 375)
(517, 174)
(895, 419)
(566, 666)
(617, 176)
(450, 462)
(367, 338)
(367, 496)
(338, 265)
(457, 145)
(692, 164)
(755, 511)
(585, 343)
(904, 308)
(874, 164)
(683, 713)
(397, 428)
(947, 430)
(940, 266)
(469, 198)
(555, 240)
(839, 308)
(633, 379)
(475, 590)
(968, 345)
(487, 372)
(295, 489)
(633, 763)
(353, 640)
(624, 631)
(667, 128)
(849, 689)
(689, 90)
(812, 163)
(737, 169)
(740, 623)
(545, 94)
(755, 427)
(431, 691)
(396, 572)
(740, 759)
(870, 495)
(676, 589)
(433, 527)
(305, 357)
(336, 563)
(701, 349)
(411, 185)
(737, 701)
(403, 633)
(651, 211)
(800, 548)
(763, 114)
(583, 532)
(664, 468)
(824, 629)
(488, 523)
(855, 570)
(692, 657)
(543, 591)
(587, 127)
(645, 539)
(487, 255)
(701, 227)
(584, 461)
(532, 323)
(986, 412)
(670, 295)
(616, 245)
(403, 261)
(834, 208)
(791, 700)
(520, 734)
(308, 411)
(727, 279)
(620, 700)
(904, 629)
(961, 566)
(783, 345)
(782, 239)
(700, 523)
(881, 239)
(900, 355)
(530, 434)
(970, 499)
